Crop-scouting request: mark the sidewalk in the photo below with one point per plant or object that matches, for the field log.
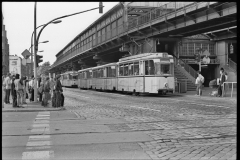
(207, 90)
(30, 107)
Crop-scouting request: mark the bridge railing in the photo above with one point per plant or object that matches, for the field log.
(168, 9)
(163, 10)
(226, 87)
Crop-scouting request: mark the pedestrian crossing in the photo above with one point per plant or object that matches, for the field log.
(39, 146)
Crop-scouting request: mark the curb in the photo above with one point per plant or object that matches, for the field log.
(33, 110)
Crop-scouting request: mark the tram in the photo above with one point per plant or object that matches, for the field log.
(102, 77)
(69, 79)
(143, 73)
(146, 73)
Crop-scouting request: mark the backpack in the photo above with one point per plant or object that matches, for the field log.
(40, 89)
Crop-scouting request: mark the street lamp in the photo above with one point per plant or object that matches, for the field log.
(36, 39)
(54, 22)
(38, 43)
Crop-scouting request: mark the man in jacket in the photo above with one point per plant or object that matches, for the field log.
(58, 91)
(7, 84)
(31, 89)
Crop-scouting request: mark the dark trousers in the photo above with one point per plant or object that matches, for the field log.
(7, 95)
(32, 95)
(40, 97)
(220, 90)
(14, 98)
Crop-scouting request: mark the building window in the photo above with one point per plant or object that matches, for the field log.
(190, 49)
(211, 49)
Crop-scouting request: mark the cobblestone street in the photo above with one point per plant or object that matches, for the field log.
(181, 127)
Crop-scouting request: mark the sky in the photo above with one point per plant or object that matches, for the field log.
(19, 24)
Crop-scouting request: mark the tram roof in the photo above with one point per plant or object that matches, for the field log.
(145, 55)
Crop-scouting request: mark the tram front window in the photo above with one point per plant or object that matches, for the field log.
(161, 69)
(75, 77)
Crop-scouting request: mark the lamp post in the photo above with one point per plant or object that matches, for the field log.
(36, 39)
(55, 22)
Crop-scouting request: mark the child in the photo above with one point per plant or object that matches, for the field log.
(199, 82)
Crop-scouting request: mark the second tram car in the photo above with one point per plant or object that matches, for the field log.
(69, 79)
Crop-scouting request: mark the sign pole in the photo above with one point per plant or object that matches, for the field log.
(200, 65)
(35, 52)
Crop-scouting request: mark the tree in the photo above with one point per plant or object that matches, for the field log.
(43, 69)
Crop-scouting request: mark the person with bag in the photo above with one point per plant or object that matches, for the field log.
(199, 82)
(54, 93)
(40, 92)
(14, 93)
(31, 89)
(27, 88)
(24, 90)
(46, 92)
(58, 91)
(7, 88)
(222, 80)
(19, 89)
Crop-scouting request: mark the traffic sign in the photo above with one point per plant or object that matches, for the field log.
(26, 54)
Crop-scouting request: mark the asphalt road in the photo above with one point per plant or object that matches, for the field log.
(104, 125)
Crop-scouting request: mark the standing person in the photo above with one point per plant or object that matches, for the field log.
(14, 92)
(54, 93)
(19, 89)
(58, 91)
(222, 80)
(46, 92)
(3, 90)
(24, 89)
(52, 83)
(27, 89)
(199, 82)
(7, 83)
(31, 89)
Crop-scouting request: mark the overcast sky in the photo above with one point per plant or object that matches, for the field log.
(19, 23)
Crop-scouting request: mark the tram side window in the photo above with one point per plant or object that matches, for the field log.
(136, 68)
(121, 70)
(79, 75)
(87, 74)
(109, 72)
(125, 69)
(70, 76)
(101, 72)
(146, 68)
(130, 69)
(151, 67)
(113, 68)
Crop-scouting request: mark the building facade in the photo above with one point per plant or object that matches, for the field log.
(5, 50)
(16, 66)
